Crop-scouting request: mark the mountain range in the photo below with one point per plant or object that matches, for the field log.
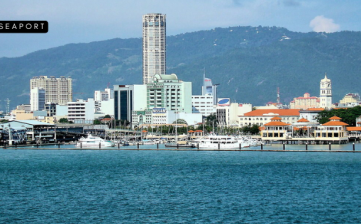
(248, 63)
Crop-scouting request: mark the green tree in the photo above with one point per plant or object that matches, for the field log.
(347, 115)
(97, 121)
(63, 120)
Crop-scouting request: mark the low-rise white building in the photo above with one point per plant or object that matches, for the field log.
(228, 113)
(81, 111)
(203, 104)
(161, 116)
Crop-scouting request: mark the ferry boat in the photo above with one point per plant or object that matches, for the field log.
(217, 142)
(94, 141)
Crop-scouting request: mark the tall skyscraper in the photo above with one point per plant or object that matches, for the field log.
(154, 46)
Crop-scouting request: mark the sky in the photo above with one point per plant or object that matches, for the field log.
(84, 21)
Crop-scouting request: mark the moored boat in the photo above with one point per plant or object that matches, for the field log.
(94, 141)
(221, 142)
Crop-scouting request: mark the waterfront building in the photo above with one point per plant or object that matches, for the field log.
(37, 98)
(262, 116)
(304, 102)
(334, 130)
(128, 98)
(57, 90)
(275, 130)
(325, 93)
(167, 91)
(81, 111)
(154, 46)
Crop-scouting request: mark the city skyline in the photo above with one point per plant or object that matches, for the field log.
(69, 22)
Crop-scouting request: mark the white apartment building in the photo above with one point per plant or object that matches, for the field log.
(154, 46)
(57, 90)
(37, 99)
(81, 111)
(203, 104)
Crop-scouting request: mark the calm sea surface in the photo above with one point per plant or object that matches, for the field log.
(120, 186)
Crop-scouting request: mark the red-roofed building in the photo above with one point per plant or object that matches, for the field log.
(334, 130)
(275, 130)
(262, 116)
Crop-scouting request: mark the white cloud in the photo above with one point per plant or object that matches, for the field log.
(323, 24)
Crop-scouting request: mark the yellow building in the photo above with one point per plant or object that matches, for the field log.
(22, 115)
(350, 98)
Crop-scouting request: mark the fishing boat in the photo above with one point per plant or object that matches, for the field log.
(94, 141)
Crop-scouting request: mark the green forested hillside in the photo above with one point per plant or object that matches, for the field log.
(249, 63)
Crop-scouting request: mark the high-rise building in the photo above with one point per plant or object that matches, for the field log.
(208, 89)
(325, 93)
(128, 98)
(154, 46)
(57, 90)
(37, 99)
(167, 91)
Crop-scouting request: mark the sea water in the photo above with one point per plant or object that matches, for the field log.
(159, 186)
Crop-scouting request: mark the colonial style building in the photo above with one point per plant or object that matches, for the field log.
(275, 130)
(262, 116)
(304, 102)
(334, 130)
(325, 93)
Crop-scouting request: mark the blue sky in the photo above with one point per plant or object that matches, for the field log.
(83, 21)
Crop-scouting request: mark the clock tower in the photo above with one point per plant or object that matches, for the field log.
(325, 93)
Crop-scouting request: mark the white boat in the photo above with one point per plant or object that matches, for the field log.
(94, 141)
(215, 142)
(147, 142)
(244, 141)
